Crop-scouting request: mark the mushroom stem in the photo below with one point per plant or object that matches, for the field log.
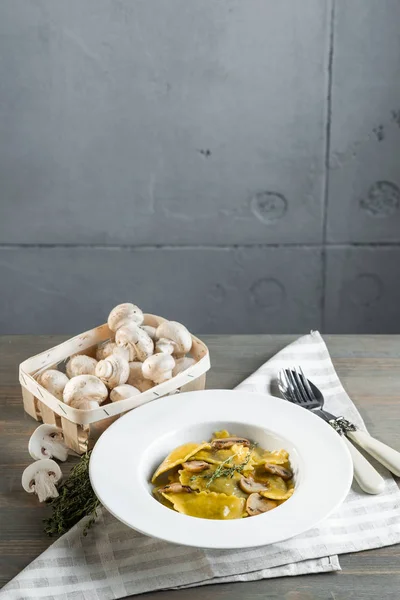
(45, 486)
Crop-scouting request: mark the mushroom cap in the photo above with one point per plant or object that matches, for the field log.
(45, 464)
(181, 364)
(158, 367)
(89, 387)
(47, 441)
(150, 330)
(133, 335)
(105, 349)
(113, 370)
(124, 314)
(123, 391)
(80, 364)
(177, 333)
(54, 381)
(84, 404)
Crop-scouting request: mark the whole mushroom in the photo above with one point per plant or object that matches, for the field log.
(123, 391)
(136, 377)
(181, 364)
(165, 345)
(87, 387)
(54, 381)
(47, 441)
(158, 367)
(113, 370)
(136, 340)
(84, 404)
(150, 330)
(80, 364)
(105, 349)
(41, 477)
(178, 334)
(124, 314)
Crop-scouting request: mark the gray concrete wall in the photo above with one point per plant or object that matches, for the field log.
(234, 165)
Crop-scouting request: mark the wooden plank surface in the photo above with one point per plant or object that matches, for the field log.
(369, 367)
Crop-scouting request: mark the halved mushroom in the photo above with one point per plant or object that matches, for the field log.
(256, 505)
(41, 477)
(47, 441)
(225, 443)
(175, 488)
(248, 485)
(195, 466)
(278, 470)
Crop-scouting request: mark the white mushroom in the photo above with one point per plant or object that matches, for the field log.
(151, 331)
(47, 441)
(177, 333)
(88, 387)
(124, 314)
(133, 336)
(113, 370)
(123, 391)
(158, 368)
(136, 378)
(181, 364)
(165, 345)
(54, 381)
(105, 349)
(80, 364)
(84, 404)
(41, 477)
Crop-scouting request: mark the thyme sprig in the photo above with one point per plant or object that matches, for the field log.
(227, 471)
(76, 500)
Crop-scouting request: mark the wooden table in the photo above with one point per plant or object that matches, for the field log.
(369, 367)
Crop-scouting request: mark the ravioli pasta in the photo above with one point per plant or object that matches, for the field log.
(226, 478)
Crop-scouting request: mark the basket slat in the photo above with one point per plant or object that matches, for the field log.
(30, 404)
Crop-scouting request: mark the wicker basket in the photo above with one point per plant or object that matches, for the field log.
(81, 428)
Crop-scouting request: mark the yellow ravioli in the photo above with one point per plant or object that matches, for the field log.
(179, 456)
(260, 457)
(216, 457)
(207, 505)
(221, 485)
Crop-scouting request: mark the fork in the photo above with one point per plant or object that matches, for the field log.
(296, 388)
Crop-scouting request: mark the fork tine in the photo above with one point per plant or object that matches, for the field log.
(302, 389)
(285, 384)
(293, 386)
(307, 385)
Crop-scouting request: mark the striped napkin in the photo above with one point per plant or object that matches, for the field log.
(113, 561)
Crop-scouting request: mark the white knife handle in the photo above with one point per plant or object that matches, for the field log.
(386, 455)
(366, 476)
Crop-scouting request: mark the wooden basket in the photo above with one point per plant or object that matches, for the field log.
(82, 427)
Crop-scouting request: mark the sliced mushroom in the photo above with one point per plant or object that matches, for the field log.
(113, 370)
(278, 470)
(248, 485)
(158, 368)
(54, 381)
(123, 391)
(224, 443)
(124, 314)
(195, 466)
(87, 387)
(178, 334)
(41, 477)
(47, 441)
(175, 488)
(81, 365)
(181, 364)
(256, 505)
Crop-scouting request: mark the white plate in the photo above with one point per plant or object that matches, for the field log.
(129, 451)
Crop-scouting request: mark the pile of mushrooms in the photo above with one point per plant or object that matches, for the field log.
(134, 360)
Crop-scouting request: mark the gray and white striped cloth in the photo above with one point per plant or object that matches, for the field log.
(114, 561)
